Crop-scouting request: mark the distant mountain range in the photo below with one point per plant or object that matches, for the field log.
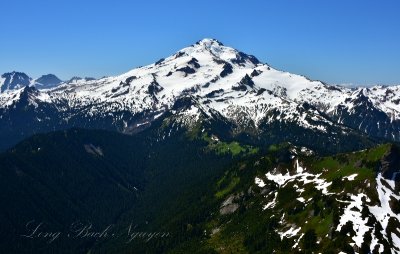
(16, 80)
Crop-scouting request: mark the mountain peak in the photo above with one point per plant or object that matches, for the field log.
(48, 81)
(209, 42)
(14, 73)
(219, 51)
(14, 80)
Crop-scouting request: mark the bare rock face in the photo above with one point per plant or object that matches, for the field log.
(390, 164)
(230, 204)
(93, 149)
(231, 208)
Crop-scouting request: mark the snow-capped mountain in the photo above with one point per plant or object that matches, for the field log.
(252, 96)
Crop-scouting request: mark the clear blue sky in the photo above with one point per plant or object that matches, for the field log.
(339, 41)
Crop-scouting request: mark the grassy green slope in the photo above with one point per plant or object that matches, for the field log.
(253, 229)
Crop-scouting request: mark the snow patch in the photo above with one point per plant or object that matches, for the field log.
(300, 176)
(259, 182)
(350, 177)
(292, 232)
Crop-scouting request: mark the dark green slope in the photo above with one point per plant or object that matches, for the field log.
(63, 177)
(99, 178)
